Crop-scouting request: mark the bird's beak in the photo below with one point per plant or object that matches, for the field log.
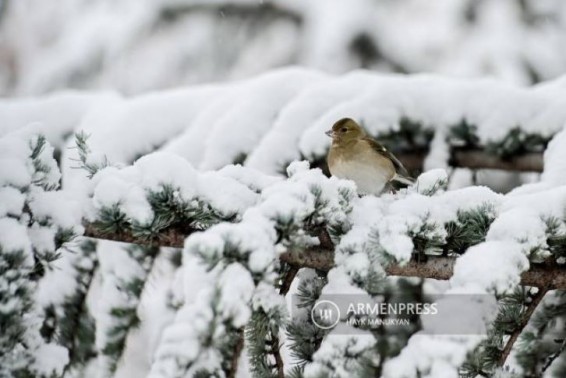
(330, 133)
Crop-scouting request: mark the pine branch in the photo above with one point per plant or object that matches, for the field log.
(437, 267)
(237, 352)
(481, 159)
(169, 237)
(325, 242)
(554, 355)
(278, 360)
(76, 332)
(288, 278)
(524, 321)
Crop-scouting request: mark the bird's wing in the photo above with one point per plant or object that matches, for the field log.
(377, 147)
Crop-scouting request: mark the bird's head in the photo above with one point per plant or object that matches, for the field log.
(345, 130)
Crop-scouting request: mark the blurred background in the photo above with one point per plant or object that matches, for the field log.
(140, 45)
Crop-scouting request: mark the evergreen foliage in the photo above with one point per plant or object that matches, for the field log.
(236, 253)
(518, 142)
(263, 343)
(469, 229)
(16, 300)
(123, 312)
(464, 134)
(303, 335)
(86, 160)
(410, 136)
(543, 337)
(34, 232)
(515, 142)
(70, 324)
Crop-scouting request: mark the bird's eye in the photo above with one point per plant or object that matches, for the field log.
(344, 129)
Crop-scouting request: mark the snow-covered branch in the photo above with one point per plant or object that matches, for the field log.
(481, 159)
(551, 276)
(278, 121)
(248, 231)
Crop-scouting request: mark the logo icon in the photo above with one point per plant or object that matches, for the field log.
(325, 314)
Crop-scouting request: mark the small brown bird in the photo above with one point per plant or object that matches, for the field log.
(356, 156)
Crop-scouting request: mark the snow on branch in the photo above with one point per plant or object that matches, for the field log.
(480, 159)
(36, 219)
(246, 230)
(278, 117)
(437, 267)
(424, 231)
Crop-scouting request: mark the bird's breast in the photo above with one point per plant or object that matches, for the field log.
(370, 178)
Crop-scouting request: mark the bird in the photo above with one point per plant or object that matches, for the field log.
(355, 156)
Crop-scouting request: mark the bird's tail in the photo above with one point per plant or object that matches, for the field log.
(403, 179)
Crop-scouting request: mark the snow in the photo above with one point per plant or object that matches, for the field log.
(238, 288)
(340, 282)
(431, 180)
(13, 237)
(176, 137)
(17, 167)
(517, 235)
(119, 268)
(546, 197)
(524, 226)
(555, 160)
(155, 313)
(227, 196)
(11, 201)
(277, 147)
(252, 178)
(48, 50)
(267, 298)
(257, 106)
(394, 239)
(14, 172)
(155, 118)
(171, 139)
(54, 115)
(275, 118)
(297, 105)
(42, 239)
(57, 207)
(59, 281)
(493, 266)
(129, 186)
(251, 238)
(432, 354)
(50, 359)
(398, 217)
(329, 358)
(439, 153)
(181, 337)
